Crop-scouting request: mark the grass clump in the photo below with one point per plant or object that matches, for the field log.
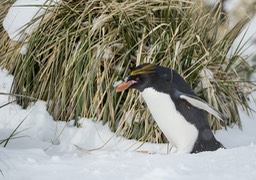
(81, 48)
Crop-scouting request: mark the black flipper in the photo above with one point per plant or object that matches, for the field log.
(201, 104)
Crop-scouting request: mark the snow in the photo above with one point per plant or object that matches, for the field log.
(20, 14)
(46, 149)
(36, 164)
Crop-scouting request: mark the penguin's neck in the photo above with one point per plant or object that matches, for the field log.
(175, 127)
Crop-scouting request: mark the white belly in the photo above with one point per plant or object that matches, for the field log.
(177, 130)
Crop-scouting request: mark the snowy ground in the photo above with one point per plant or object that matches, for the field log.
(46, 149)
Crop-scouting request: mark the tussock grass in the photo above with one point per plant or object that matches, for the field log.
(81, 48)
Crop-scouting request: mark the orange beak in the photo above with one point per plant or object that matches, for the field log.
(123, 86)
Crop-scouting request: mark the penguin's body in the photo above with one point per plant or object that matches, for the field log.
(175, 127)
(175, 108)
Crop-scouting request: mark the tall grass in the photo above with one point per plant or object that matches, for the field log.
(81, 48)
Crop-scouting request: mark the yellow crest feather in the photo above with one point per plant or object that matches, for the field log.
(149, 68)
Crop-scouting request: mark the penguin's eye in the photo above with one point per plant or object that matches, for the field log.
(137, 79)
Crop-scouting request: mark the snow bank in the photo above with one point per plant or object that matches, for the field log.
(21, 13)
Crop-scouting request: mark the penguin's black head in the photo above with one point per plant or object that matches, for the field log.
(144, 76)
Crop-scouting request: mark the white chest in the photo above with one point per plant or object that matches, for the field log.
(177, 130)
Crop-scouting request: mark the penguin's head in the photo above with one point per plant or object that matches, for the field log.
(144, 76)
